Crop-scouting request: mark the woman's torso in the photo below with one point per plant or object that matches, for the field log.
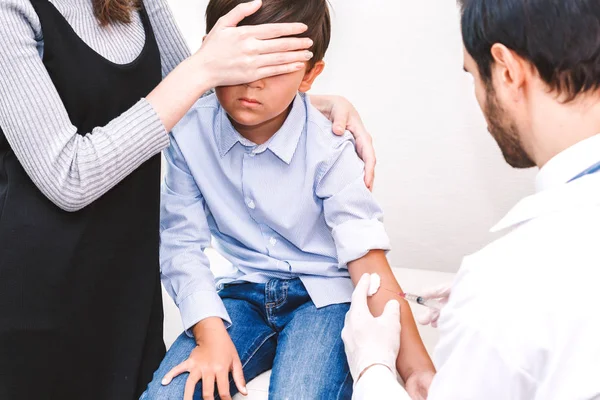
(81, 306)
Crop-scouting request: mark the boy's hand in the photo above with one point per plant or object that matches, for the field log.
(211, 361)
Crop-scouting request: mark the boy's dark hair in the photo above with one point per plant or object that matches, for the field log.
(561, 38)
(313, 13)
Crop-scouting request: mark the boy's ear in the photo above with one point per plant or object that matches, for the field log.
(310, 76)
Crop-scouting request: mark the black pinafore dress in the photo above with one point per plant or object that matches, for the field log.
(80, 298)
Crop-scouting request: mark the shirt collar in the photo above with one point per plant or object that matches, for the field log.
(568, 164)
(554, 193)
(283, 144)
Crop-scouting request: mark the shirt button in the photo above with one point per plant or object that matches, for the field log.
(273, 241)
(250, 204)
(252, 154)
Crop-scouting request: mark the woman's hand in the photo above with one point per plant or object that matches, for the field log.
(232, 55)
(211, 361)
(345, 117)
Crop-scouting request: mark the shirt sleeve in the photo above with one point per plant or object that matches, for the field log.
(70, 168)
(171, 43)
(378, 382)
(185, 235)
(351, 212)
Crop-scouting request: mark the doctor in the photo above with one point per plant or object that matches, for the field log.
(523, 318)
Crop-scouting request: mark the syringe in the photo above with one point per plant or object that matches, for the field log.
(431, 303)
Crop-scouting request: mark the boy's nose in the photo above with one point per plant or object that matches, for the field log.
(259, 84)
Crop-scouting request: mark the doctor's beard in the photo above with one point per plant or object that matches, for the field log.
(504, 130)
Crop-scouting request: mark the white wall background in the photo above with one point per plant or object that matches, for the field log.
(440, 179)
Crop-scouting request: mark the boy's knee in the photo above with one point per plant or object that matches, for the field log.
(174, 390)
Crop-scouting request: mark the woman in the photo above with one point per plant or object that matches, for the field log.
(83, 118)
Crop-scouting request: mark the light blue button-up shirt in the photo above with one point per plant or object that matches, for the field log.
(295, 206)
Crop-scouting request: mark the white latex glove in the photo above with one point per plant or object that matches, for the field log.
(368, 340)
(234, 55)
(441, 294)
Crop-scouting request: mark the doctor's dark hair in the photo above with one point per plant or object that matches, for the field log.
(561, 38)
(313, 13)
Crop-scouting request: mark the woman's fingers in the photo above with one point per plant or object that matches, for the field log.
(241, 11)
(273, 31)
(269, 60)
(175, 372)
(366, 151)
(347, 118)
(283, 45)
(275, 70)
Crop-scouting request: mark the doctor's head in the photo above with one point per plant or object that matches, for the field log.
(531, 60)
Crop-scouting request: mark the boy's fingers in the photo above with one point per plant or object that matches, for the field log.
(223, 386)
(241, 11)
(208, 387)
(190, 386)
(175, 372)
(237, 372)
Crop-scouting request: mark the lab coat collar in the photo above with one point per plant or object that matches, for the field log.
(581, 193)
(568, 164)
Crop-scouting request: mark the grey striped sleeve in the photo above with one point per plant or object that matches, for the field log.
(70, 169)
(172, 46)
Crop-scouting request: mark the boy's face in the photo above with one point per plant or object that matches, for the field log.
(255, 103)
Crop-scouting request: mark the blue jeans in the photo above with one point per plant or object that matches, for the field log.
(274, 326)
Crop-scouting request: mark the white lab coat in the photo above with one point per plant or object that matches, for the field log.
(523, 319)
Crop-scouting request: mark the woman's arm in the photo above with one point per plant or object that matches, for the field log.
(171, 44)
(74, 169)
(70, 169)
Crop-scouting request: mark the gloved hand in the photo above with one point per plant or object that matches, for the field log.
(368, 340)
(441, 294)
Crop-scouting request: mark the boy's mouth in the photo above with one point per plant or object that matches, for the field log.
(249, 102)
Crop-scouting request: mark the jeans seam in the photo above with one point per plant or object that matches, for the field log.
(254, 352)
(342, 385)
(283, 299)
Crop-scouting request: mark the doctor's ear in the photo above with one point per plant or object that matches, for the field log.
(204, 38)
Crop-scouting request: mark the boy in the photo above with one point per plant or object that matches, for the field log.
(258, 168)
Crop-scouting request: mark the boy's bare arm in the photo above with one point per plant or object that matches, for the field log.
(413, 356)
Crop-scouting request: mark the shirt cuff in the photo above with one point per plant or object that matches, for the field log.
(199, 306)
(378, 382)
(354, 239)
